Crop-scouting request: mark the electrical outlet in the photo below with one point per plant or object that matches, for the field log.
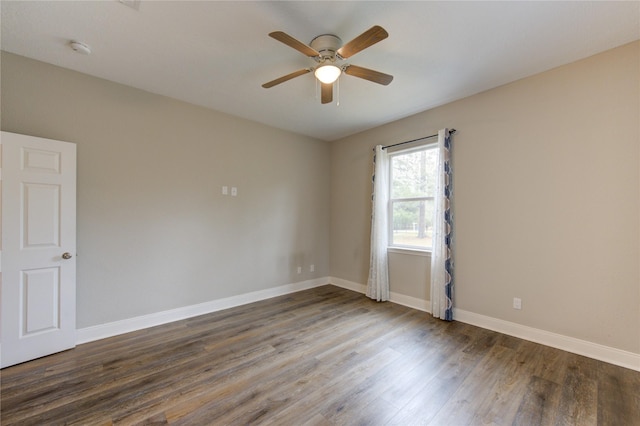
(312, 268)
(517, 303)
(225, 190)
(299, 269)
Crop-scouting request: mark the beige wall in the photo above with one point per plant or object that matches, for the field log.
(154, 230)
(547, 197)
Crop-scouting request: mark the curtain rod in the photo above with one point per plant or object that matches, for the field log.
(451, 132)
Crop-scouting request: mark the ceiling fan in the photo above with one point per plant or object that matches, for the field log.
(329, 52)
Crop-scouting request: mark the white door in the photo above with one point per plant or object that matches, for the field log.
(38, 289)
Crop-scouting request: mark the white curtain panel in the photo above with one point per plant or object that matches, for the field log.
(378, 282)
(441, 257)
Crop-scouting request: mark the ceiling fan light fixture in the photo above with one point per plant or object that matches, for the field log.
(328, 73)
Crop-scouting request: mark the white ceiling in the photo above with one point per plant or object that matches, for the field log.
(217, 54)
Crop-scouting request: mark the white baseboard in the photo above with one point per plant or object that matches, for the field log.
(349, 285)
(570, 344)
(102, 331)
(411, 302)
(400, 299)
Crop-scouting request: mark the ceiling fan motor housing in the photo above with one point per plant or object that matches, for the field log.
(327, 45)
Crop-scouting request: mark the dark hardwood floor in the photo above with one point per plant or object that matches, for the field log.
(319, 357)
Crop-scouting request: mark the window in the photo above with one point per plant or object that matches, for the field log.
(412, 180)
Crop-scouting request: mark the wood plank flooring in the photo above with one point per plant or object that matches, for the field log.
(325, 356)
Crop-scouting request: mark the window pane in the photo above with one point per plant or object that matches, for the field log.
(412, 223)
(413, 174)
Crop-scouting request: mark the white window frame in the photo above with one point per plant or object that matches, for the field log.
(403, 248)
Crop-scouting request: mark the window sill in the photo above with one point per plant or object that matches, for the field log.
(410, 251)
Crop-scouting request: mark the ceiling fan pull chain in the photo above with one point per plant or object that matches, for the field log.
(338, 92)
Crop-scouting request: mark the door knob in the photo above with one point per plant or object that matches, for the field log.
(66, 255)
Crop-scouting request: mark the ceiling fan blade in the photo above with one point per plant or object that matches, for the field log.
(364, 40)
(326, 94)
(286, 78)
(292, 42)
(367, 74)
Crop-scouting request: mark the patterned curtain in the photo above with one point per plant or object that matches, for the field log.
(441, 257)
(378, 282)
